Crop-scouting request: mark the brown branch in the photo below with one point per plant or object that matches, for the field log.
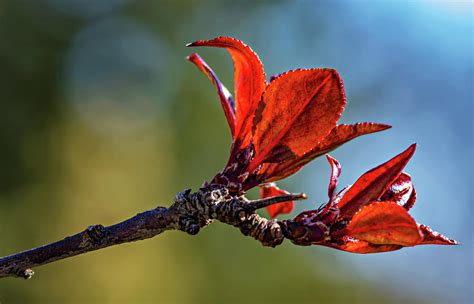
(189, 212)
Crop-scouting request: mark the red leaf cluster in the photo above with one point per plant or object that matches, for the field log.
(369, 216)
(279, 126)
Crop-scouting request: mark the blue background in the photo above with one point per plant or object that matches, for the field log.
(102, 117)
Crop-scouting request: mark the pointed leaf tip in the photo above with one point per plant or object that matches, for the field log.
(436, 238)
(224, 95)
(249, 80)
(372, 184)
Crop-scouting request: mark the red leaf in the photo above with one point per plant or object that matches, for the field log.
(298, 109)
(352, 245)
(270, 190)
(249, 81)
(224, 95)
(338, 136)
(372, 184)
(401, 191)
(342, 134)
(432, 237)
(335, 173)
(384, 223)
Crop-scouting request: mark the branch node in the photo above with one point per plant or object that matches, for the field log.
(96, 233)
(242, 215)
(26, 273)
(189, 225)
(182, 197)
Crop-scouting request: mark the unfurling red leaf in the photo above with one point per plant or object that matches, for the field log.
(249, 80)
(401, 191)
(298, 109)
(224, 95)
(381, 221)
(384, 223)
(335, 173)
(372, 184)
(270, 190)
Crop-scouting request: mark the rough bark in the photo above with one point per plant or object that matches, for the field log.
(189, 213)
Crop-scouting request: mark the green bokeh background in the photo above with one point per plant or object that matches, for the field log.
(95, 128)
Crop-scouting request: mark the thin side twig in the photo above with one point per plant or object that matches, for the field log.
(265, 202)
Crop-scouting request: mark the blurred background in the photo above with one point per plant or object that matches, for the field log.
(102, 117)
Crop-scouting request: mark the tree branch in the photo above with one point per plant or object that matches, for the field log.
(189, 212)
